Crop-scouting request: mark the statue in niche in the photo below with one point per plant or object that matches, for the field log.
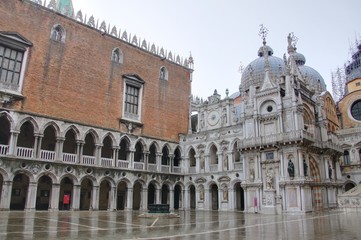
(269, 179)
(291, 169)
(201, 193)
(225, 161)
(251, 173)
(225, 193)
(202, 162)
(330, 171)
(305, 168)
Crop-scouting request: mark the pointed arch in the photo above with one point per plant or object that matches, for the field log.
(30, 120)
(58, 33)
(75, 131)
(117, 56)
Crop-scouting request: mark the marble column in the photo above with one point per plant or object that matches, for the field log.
(95, 198)
(75, 202)
(112, 201)
(129, 204)
(6, 195)
(55, 194)
(31, 196)
(13, 143)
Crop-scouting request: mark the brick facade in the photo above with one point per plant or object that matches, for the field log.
(76, 81)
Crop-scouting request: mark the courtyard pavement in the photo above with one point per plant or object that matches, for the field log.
(189, 225)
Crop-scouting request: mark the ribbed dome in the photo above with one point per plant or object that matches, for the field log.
(310, 74)
(254, 73)
(313, 77)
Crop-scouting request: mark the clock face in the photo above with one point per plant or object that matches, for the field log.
(213, 118)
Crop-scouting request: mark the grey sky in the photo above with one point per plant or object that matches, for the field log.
(221, 34)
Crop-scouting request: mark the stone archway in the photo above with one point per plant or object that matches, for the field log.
(104, 193)
(137, 195)
(214, 197)
(192, 197)
(239, 198)
(122, 194)
(43, 195)
(66, 194)
(19, 192)
(165, 194)
(178, 197)
(86, 188)
(151, 194)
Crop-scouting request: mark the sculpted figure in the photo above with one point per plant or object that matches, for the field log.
(291, 169)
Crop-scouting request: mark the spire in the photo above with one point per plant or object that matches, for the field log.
(65, 7)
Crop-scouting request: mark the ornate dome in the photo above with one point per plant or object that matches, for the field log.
(254, 73)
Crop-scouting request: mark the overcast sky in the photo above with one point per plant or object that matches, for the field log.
(221, 34)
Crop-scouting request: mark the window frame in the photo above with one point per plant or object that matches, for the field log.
(132, 81)
(16, 42)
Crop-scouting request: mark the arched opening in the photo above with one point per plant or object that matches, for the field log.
(124, 150)
(137, 197)
(165, 194)
(104, 191)
(107, 149)
(192, 158)
(192, 197)
(122, 191)
(151, 194)
(48, 143)
(213, 157)
(69, 147)
(66, 193)
(86, 188)
(26, 141)
(349, 186)
(236, 153)
(19, 192)
(89, 150)
(177, 197)
(152, 158)
(43, 195)
(177, 159)
(165, 156)
(138, 155)
(4, 135)
(239, 197)
(214, 197)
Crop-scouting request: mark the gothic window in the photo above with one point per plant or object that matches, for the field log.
(346, 157)
(356, 110)
(163, 73)
(13, 54)
(132, 103)
(58, 33)
(117, 56)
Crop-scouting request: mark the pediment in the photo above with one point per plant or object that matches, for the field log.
(14, 36)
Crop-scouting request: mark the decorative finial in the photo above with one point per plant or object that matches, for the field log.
(292, 41)
(263, 33)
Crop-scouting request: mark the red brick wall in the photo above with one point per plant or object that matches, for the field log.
(77, 81)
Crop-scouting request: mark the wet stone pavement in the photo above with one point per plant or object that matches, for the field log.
(189, 225)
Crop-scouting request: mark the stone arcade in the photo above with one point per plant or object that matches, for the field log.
(86, 128)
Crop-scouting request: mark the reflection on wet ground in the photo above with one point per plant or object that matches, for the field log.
(190, 225)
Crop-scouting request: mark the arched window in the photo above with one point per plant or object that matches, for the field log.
(117, 56)
(58, 33)
(163, 73)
